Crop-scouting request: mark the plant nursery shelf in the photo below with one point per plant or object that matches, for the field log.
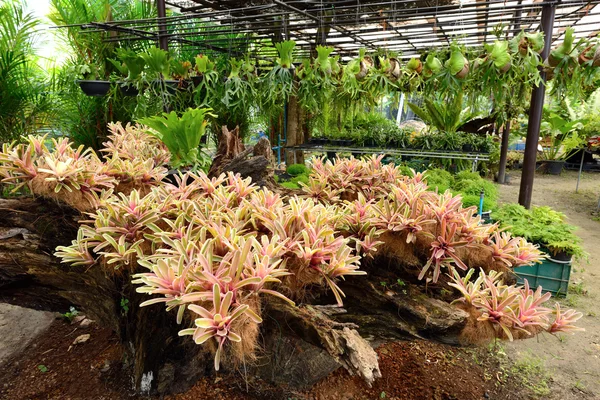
(474, 157)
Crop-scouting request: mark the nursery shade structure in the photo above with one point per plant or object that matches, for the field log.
(407, 27)
(237, 28)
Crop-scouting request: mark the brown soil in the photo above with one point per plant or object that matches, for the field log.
(55, 368)
(424, 370)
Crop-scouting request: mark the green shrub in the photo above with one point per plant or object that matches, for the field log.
(290, 185)
(472, 200)
(297, 169)
(300, 178)
(475, 187)
(406, 170)
(439, 178)
(467, 176)
(541, 225)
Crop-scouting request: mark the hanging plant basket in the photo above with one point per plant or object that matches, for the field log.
(128, 89)
(365, 66)
(94, 88)
(170, 86)
(394, 71)
(596, 62)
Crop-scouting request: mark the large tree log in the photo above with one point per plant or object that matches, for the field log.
(301, 345)
(31, 276)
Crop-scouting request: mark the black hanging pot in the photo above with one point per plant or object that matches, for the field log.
(128, 90)
(197, 80)
(94, 88)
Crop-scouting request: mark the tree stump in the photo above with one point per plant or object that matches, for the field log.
(254, 162)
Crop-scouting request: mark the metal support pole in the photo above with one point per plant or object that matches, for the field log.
(162, 27)
(504, 153)
(580, 169)
(535, 112)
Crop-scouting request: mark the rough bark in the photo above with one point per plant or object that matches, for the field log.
(29, 273)
(255, 162)
(295, 132)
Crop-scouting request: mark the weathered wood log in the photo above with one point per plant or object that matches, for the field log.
(232, 156)
(31, 276)
(339, 339)
(301, 344)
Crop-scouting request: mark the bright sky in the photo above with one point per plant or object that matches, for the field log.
(48, 48)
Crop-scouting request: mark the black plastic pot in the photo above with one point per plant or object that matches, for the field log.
(197, 80)
(486, 216)
(467, 148)
(94, 88)
(553, 167)
(346, 142)
(562, 256)
(129, 90)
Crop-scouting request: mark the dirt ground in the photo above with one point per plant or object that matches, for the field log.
(572, 361)
(56, 368)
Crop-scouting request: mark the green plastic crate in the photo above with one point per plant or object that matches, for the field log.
(552, 275)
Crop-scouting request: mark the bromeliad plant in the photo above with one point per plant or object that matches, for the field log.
(214, 248)
(77, 176)
(511, 311)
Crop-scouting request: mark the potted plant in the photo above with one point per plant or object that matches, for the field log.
(457, 65)
(180, 71)
(89, 80)
(278, 83)
(544, 226)
(131, 65)
(432, 65)
(445, 116)
(560, 139)
(158, 68)
(182, 136)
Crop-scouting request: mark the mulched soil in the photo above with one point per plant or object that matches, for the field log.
(55, 368)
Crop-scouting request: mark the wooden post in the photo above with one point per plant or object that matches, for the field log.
(535, 112)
